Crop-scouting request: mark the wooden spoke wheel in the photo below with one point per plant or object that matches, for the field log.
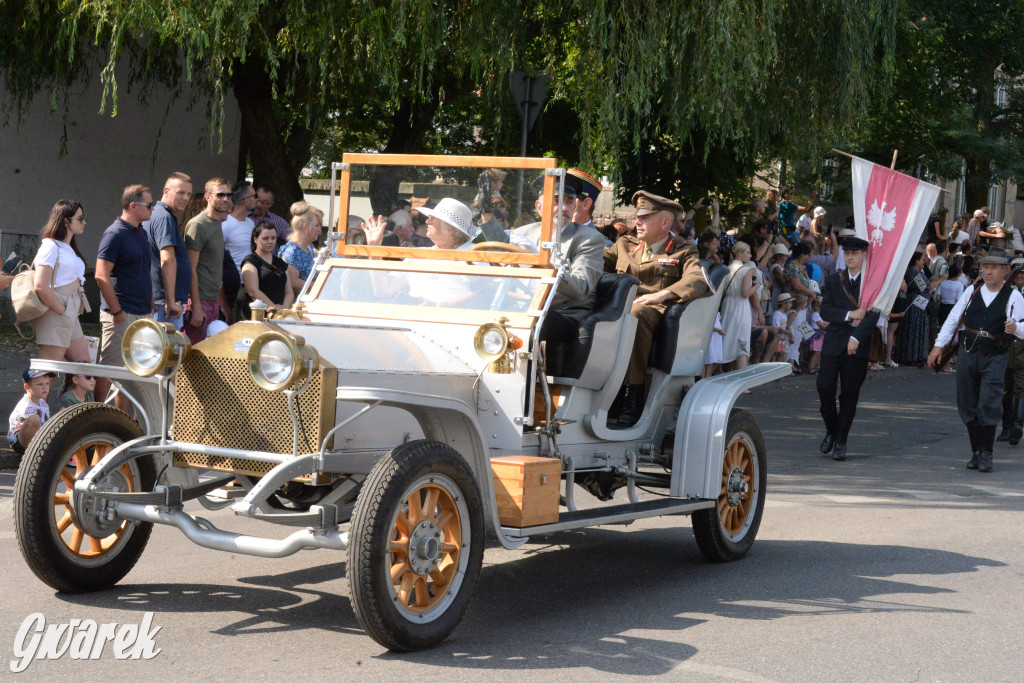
(63, 540)
(727, 531)
(415, 546)
(425, 551)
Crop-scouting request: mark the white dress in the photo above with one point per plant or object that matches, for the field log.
(736, 314)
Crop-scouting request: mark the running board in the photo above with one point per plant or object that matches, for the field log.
(612, 515)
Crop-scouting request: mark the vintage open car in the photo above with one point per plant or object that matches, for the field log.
(387, 425)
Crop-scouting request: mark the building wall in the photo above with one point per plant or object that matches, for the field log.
(142, 144)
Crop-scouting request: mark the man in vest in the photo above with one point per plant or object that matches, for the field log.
(668, 270)
(844, 351)
(987, 314)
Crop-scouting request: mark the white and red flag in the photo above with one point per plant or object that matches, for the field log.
(890, 211)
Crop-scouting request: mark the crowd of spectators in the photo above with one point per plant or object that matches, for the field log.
(186, 259)
(192, 259)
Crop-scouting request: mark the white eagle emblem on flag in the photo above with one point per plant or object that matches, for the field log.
(880, 220)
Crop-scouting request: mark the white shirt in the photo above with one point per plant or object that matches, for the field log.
(1014, 305)
(950, 291)
(69, 267)
(237, 238)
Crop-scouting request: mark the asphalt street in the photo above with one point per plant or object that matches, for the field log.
(896, 565)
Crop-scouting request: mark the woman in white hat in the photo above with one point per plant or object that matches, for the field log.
(449, 226)
(818, 222)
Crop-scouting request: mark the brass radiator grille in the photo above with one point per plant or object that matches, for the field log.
(216, 403)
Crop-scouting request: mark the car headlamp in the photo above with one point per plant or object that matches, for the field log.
(278, 360)
(148, 346)
(491, 341)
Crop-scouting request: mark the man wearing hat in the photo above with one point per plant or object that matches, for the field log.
(988, 315)
(590, 190)
(668, 269)
(844, 350)
(1013, 380)
(581, 247)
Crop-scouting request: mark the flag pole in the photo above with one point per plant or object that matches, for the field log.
(892, 166)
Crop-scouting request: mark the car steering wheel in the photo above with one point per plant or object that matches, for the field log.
(499, 246)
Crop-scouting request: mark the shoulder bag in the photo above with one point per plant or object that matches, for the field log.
(27, 305)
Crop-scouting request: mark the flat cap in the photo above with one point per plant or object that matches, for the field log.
(647, 203)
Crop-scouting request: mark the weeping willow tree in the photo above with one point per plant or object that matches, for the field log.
(751, 78)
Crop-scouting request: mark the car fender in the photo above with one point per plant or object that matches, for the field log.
(449, 421)
(699, 445)
(144, 393)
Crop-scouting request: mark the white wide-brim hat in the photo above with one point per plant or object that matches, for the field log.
(780, 249)
(819, 211)
(454, 213)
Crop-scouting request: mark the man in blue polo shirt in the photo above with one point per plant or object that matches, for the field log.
(169, 267)
(122, 274)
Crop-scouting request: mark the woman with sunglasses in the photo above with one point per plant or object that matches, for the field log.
(59, 279)
(78, 389)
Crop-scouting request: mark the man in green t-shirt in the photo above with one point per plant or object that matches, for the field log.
(205, 242)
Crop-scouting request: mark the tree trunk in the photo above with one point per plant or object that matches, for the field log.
(410, 124)
(276, 161)
(977, 183)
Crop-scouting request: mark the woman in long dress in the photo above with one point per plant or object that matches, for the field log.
(912, 336)
(736, 318)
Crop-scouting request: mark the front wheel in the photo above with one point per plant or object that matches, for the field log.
(727, 531)
(49, 514)
(416, 545)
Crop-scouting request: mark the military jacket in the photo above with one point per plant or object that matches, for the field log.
(675, 266)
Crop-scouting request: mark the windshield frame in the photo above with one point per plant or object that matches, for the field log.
(552, 177)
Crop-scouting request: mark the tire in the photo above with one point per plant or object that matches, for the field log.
(408, 593)
(50, 540)
(726, 531)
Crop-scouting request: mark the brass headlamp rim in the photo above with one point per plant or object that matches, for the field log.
(300, 353)
(170, 338)
(478, 340)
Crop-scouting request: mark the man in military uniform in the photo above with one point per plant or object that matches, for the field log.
(668, 270)
(989, 312)
(844, 350)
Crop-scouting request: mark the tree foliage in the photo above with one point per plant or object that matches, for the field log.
(733, 80)
(952, 58)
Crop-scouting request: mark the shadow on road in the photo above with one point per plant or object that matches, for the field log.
(591, 599)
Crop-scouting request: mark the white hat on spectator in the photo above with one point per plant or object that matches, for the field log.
(454, 213)
(819, 211)
(978, 213)
(780, 249)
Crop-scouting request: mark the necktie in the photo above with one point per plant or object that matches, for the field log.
(647, 253)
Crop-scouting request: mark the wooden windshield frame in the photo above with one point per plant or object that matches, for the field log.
(543, 258)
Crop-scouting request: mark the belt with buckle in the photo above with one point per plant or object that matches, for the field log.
(981, 333)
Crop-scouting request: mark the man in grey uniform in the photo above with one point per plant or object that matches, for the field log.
(582, 248)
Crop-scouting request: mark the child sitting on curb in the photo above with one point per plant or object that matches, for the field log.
(78, 389)
(32, 410)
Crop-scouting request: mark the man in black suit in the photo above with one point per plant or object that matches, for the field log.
(844, 351)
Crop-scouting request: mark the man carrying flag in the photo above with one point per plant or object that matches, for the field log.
(988, 314)
(896, 208)
(844, 351)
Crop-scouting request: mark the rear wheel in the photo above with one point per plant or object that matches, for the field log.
(416, 546)
(726, 531)
(48, 514)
